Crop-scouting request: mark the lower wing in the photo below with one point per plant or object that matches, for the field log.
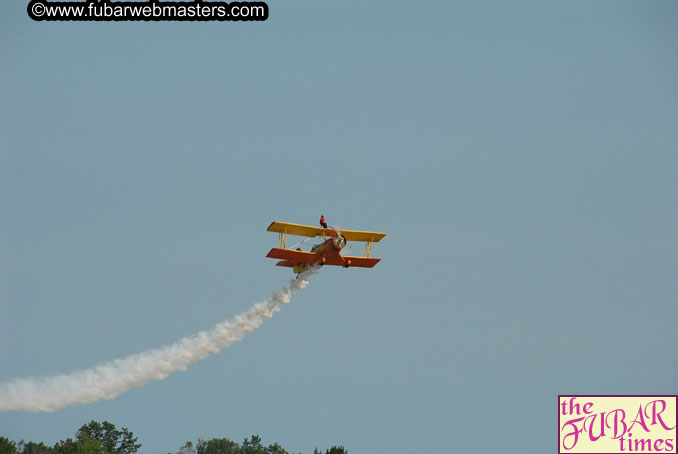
(344, 260)
(293, 257)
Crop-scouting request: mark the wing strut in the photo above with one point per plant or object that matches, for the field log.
(368, 248)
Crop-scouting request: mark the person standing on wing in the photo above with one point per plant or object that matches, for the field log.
(323, 223)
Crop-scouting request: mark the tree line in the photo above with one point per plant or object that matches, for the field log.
(104, 438)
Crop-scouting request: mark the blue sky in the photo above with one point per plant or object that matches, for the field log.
(521, 156)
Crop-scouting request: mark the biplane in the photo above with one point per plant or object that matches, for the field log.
(327, 252)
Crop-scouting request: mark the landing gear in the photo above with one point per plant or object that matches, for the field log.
(300, 268)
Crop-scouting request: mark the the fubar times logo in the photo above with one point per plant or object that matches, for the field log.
(617, 424)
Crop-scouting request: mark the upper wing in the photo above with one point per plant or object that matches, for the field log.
(358, 235)
(307, 230)
(298, 229)
(293, 256)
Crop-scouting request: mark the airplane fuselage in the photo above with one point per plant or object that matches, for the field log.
(328, 252)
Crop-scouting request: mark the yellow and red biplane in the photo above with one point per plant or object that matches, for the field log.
(328, 252)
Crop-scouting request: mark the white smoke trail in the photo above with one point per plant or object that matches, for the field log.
(108, 380)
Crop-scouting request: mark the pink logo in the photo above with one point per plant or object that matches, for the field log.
(617, 424)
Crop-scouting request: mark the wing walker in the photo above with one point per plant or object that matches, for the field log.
(327, 252)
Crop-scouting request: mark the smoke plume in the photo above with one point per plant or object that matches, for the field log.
(108, 380)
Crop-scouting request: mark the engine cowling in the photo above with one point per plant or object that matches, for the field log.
(338, 242)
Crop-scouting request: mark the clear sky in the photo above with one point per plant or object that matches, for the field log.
(521, 155)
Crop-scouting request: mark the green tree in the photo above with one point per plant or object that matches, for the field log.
(187, 448)
(336, 450)
(88, 445)
(112, 440)
(65, 447)
(34, 448)
(7, 446)
(275, 448)
(218, 446)
(253, 445)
